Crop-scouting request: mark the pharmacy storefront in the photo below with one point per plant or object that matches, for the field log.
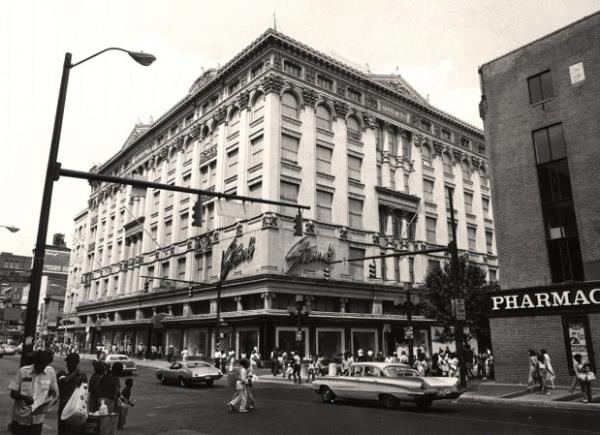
(563, 319)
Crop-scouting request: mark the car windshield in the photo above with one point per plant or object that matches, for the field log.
(397, 372)
(197, 364)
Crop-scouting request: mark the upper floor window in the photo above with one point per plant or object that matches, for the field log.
(324, 82)
(354, 167)
(354, 95)
(446, 135)
(428, 190)
(472, 237)
(324, 205)
(426, 125)
(447, 160)
(234, 122)
(292, 68)
(324, 156)
(468, 202)
(430, 224)
(540, 87)
(289, 105)
(426, 154)
(258, 105)
(549, 144)
(466, 170)
(355, 212)
(353, 128)
(256, 150)
(465, 143)
(289, 148)
(232, 163)
(485, 204)
(234, 87)
(256, 70)
(323, 117)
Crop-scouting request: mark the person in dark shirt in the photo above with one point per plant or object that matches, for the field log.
(125, 403)
(94, 385)
(68, 381)
(109, 388)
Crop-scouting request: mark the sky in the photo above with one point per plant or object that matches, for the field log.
(436, 45)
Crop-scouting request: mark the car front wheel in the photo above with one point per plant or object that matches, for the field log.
(389, 401)
(327, 395)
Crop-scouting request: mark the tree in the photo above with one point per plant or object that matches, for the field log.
(473, 287)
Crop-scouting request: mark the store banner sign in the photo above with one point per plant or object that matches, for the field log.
(560, 299)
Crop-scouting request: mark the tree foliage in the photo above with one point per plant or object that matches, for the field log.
(472, 287)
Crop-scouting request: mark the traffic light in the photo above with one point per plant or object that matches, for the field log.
(190, 292)
(146, 286)
(326, 273)
(372, 270)
(197, 213)
(298, 224)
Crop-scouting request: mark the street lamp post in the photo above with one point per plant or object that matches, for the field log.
(52, 174)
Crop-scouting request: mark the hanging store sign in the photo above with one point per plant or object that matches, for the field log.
(306, 252)
(237, 254)
(553, 299)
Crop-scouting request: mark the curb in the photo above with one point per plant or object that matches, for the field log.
(538, 404)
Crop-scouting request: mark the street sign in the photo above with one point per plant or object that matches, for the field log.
(15, 278)
(408, 332)
(298, 335)
(458, 309)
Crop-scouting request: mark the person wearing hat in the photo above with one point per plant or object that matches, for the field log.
(68, 380)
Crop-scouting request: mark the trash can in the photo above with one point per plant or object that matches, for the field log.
(332, 369)
(101, 424)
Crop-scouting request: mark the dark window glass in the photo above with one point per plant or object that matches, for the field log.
(540, 87)
(549, 144)
(565, 260)
(555, 182)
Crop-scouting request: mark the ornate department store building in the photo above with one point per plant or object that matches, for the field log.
(280, 121)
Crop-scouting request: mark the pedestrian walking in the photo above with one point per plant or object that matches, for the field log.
(346, 364)
(297, 364)
(94, 385)
(542, 373)
(550, 375)
(68, 380)
(240, 397)
(312, 368)
(109, 387)
(184, 354)
(275, 361)
(586, 376)
(32, 388)
(125, 403)
(532, 377)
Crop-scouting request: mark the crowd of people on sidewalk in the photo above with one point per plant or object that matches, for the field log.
(36, 388)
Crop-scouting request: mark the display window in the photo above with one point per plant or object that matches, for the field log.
(578, 340)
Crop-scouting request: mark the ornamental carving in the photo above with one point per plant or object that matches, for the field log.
(438, 148)
(123, 265)
(343, 233)
(404, 245)
(309, 76)
(189, 244)
(239, 230)
(202, 244)
(310, 228)
(458, 155)
(272, 83)
(162, 153)
(476, 162)
(269, 220)
(341, 108)
(341, 89)
(208, 154)
(195, 131)
(376, 238)
(309, 96)
(371, 102)
(369, 120)
(418, 139)
(385, 155)
(277, 61)
(243, 100)
(221, 114)
(216, 237)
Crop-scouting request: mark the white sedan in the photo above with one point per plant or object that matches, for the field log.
(386, 383)
(129, 366)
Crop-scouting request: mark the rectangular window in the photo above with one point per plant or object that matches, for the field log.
(468, 202)
(289, 148)
(186, 181)
(288, 192)
(156, 198)
(411, 269)
(549, 144)
(354, 167)
(426, 125)
(292, 68)
(406, 182)
(324, 205)
(485, 204)
(493, 274)
(256, 151)
(234, 87)
(446, 135)
(540, 87)
(232, 163)
(256, 71)
(379, 175)
(168, 232)
(472, 235)
(324, 82)
(354, 95)
(165, 270)
(200, 268)
(489, 242)
(355, 209)
(154, 234)
(208, 266)
(430, 224)
(447, 198)
(465, 143)
(210, 216)
(324, 156)
(181, 268)
(204, 176)
(357, 267)
(213, 173)
(183, 226)
(428, 190)
(255, 191)
(170, 197)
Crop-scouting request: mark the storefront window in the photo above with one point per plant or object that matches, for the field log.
(173, 338)
(286, 340)
(248, 339)
(197, 343)
(365, 340)
(578, 340)
(330, 342)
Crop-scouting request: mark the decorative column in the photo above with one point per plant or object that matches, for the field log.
(385, 165)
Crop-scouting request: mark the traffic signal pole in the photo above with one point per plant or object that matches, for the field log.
(459, 336)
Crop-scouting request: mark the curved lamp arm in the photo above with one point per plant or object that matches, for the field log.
(10, 228)
(139, 56)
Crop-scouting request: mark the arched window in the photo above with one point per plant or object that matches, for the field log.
(466, 170)
(234, 122)
(205, 136)
(447, 163)
(323, 117)
(257, 107)
(426, 154)
(289, 105)
(353, 128)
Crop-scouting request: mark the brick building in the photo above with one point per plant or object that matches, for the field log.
(280, 121)
(540, 105)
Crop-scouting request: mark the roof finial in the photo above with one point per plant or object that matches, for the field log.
(274, 20)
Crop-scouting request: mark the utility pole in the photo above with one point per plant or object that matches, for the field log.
(458, 334)
(411, 339)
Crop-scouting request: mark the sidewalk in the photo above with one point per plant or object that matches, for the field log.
(479, 391)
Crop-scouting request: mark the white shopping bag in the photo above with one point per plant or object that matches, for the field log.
(75, 412)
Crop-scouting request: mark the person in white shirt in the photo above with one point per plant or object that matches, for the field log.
(184, 354)
(33, 388)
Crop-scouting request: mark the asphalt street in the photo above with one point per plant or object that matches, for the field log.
(288, 409)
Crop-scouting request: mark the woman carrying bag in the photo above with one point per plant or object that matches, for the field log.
(69, 381)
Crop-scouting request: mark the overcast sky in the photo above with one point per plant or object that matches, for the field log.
(436, 45)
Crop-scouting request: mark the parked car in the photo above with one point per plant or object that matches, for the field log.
(8, 349)
(186, 373)
(386, 383)
(129, 366)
